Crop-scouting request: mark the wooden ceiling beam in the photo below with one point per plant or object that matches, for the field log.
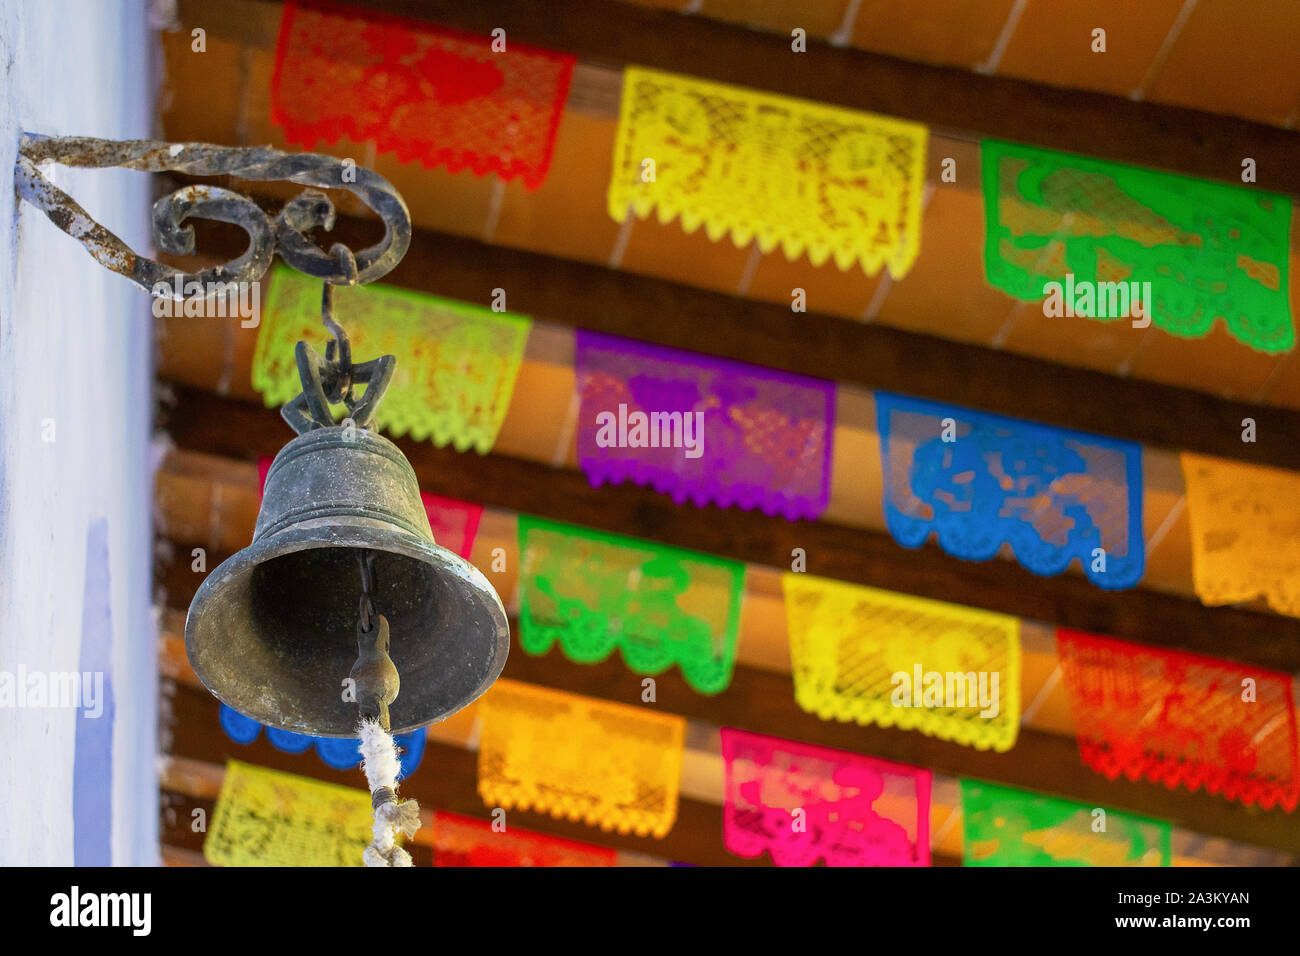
(217, 510)
(867, 355)
(200, 421)
(974, 105)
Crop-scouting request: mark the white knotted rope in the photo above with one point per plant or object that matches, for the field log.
(392, 816)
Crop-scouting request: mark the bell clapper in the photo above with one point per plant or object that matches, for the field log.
(376, 680)
(374, 674)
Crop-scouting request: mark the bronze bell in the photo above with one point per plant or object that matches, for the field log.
(274, 630)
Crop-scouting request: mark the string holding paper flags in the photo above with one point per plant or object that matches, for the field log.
(456, 363)
(426, 93)
(979, 481)
(825, 181)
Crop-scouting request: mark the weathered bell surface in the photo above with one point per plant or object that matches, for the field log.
(273, 630)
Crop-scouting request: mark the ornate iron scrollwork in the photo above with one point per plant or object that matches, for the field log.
(287, 234)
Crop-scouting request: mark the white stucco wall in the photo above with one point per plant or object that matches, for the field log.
(75, 348)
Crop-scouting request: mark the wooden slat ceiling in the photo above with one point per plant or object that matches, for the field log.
(224, 98)
(207, 485)
(1235, 57)
(209, 501)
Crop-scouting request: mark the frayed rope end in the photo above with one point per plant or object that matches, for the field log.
(380, 762)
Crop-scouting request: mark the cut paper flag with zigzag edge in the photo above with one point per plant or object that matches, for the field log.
(269, 818)
(801, 803)
(703, 429)
(1182, 719)
(1245, 523)
(341, 753)
(464, 841)
(1006, 827)
(456, 362)
(825, 181)
(426, 93)
(980, 481)
(873, 656)
(1210, 251)
(659, 605)
(607, 765)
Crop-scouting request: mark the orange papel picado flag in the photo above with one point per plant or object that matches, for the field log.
(608, 765)
(1245, 522)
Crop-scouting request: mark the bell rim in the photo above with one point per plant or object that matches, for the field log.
(293, 540)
